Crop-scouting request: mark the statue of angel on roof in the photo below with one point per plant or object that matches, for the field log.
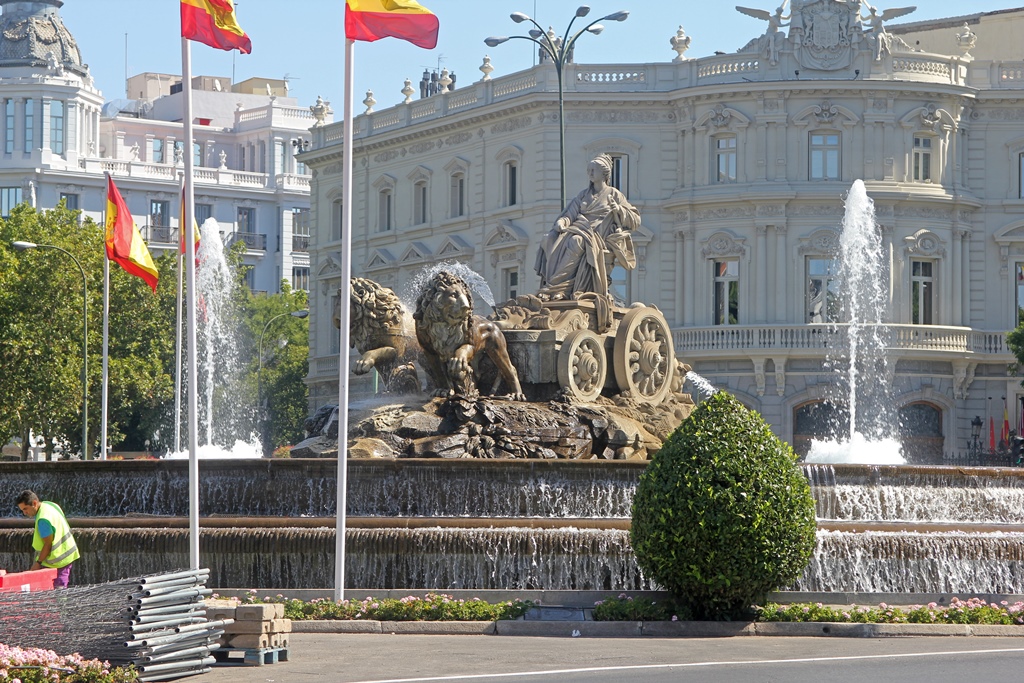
(771, 42)
(876, 22)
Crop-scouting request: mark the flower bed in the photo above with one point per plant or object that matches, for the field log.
(432, 607)
(29, 665)
(973, 611)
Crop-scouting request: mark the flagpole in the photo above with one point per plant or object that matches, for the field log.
(177, 324)
(343, 321)
(106, 374)
(190, 290)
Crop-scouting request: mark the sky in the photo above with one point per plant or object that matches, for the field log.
(301, 40)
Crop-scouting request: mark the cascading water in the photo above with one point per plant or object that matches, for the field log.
(222, 419)
(862, 278)
(474, 279)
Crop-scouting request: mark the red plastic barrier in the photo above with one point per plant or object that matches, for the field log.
(27, 582)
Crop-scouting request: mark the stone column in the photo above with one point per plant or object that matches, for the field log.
(680, 271)
(761, 274)
(781, 271)
(958, 277)
(965, 263)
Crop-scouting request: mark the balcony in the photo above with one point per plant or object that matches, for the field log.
(300, 243)
(160, 234)
(254, 241)
(817, 340)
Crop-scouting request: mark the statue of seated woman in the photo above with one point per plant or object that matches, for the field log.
(590, 237)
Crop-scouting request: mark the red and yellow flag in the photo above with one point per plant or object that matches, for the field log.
(213, 23)
(124, 241)
(371, 20)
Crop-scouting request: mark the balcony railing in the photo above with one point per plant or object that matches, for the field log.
(160, 234)
(725, 340)
(255, 241)
(300, 242)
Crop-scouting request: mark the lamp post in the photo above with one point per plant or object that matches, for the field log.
(24, 246)
(259, 372)
(559, 50)
(975, 444)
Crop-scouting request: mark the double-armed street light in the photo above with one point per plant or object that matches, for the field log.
(24, 246)
(259, 372)
(559, 50)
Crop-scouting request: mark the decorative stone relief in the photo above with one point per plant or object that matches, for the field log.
(930, 117)
(615, 117)
(826, 112)
(720, 116)
(720, 213)
(458, 138)
(723, 244)
(963, 377)
(925, 243)
(386, 156)
(421, 147)
(825, 241)
(818, 210)
(780, 375)
(759, 377)
(512, 124)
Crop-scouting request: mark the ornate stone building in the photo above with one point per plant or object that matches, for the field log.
(738, 164)
(60, 138)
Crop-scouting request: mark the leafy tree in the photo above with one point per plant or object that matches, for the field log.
(723, 515)
(41, 343)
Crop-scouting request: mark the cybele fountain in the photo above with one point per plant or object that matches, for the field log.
(482, 492)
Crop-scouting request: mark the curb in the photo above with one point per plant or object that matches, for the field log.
(656, 629)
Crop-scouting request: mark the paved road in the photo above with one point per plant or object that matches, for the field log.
(366, 658)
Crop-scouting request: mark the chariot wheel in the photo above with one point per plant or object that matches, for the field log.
(644, 355)
(582, 365)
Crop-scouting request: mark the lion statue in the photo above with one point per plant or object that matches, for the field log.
(451, 336)
(381, 331)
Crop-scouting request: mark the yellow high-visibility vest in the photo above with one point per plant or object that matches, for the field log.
(64, 551)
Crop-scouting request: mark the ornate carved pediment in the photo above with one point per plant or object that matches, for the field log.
(823, 242)
(415, 253)
(380, 258)
(925, 243)
(453, 247)
(723, 244)
(506, 234)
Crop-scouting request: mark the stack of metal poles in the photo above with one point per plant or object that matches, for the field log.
(157, 623)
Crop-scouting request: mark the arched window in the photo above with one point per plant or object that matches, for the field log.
(818, 420)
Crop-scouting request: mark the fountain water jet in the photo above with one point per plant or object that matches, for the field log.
(862, 278)
(218, 357)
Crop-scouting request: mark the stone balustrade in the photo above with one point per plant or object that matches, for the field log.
(203, 175)
(727, 340)
(661, 77)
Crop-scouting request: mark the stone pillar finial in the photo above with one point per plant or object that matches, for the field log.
(486, 68)
(966, 39)
(445, 81)
(369, 102)
(407, 91)
(680, 43)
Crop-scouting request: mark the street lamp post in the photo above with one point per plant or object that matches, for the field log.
(24, 246)
(558, 50)
(975, 444)
(259, 372)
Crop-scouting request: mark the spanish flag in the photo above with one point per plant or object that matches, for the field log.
(124, 241)
(372, 20)
(213, 23)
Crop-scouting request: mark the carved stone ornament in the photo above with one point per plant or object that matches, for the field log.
(930, 116)
(680, 43)
(720, 117)
(826, 112)
(824, 32)
(723, 244)
(925, 243)
(822, 242)
(966, 39)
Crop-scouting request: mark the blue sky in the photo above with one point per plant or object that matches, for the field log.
(303, 39)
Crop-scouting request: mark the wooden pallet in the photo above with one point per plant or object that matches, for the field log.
(250, 657)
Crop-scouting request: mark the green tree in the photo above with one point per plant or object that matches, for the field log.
(723, 515)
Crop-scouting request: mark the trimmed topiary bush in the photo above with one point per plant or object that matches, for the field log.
(723, 515)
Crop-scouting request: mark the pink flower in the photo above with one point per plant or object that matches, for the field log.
(675, 618)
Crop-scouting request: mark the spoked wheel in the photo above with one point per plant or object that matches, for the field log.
(644, 355)
(582, 365)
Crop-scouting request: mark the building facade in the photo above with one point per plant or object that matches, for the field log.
(60, 139)
(739, 165)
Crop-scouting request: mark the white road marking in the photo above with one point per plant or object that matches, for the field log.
(645, 667)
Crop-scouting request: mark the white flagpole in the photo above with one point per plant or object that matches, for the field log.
(177, 323)
(106, 318)
(190, 295)
(343, 318)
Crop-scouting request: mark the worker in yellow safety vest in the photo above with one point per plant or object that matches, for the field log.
(52, 540)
